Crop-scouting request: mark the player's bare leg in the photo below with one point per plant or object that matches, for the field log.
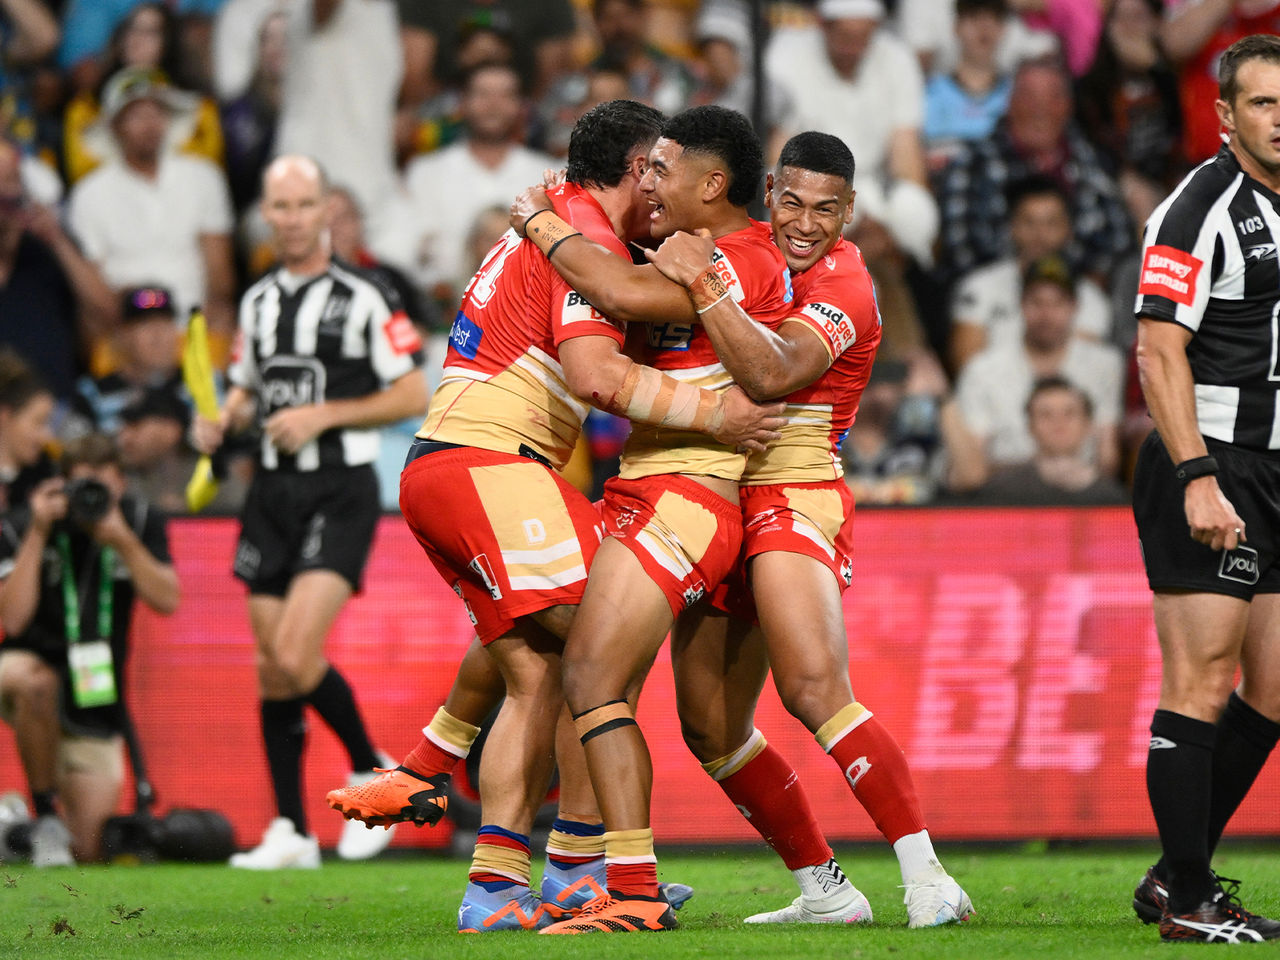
(620, 625)
(720, 666)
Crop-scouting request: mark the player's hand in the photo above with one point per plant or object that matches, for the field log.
(746, 425)
(552, 178)
(48, 503)
(206, 435)
(683, 256)
(293, 427)
(1211, 517)
(533, 200)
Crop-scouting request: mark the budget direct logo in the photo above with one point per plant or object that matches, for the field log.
(1169, 272)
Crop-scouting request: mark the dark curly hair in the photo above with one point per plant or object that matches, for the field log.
(729, 137)
(604, 139)
(819, 152)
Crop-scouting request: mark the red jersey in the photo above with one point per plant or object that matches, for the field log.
(756, 276)
(503, 387)
(837, 303)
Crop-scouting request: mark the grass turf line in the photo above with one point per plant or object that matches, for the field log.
(1058, 903)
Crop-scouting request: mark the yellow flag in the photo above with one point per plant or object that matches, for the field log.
(197, 373)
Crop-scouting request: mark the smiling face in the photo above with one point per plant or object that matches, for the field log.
(808, 213)
(676, 185)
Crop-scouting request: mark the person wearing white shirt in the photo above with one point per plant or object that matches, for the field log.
(450, 187)
(153, 216)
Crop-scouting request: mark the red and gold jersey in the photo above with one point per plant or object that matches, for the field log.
(753, 270)
(503, 387)
(837, 303)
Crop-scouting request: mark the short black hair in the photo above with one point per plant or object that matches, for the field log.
(1258, 46)
(729, 137)
(1034, 185)
(819, 152)
(965, 8)
(605, 138)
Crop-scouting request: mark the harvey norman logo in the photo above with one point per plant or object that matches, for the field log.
(1169, 272)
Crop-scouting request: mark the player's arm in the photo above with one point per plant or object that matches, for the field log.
(1169, 389)
(764, 362)
(598, 372)
(616, 287)
(293, 427)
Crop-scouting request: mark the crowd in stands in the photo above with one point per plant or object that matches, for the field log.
(1008, 153)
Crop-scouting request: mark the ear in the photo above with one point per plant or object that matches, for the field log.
(1226, 116)
(848, 210)
(714, 184)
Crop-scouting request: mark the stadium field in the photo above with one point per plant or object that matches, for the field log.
(1030, 900)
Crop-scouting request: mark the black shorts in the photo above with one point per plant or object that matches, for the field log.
(294, 522)
(1174, 561)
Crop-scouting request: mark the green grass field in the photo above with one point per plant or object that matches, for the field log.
(1059, 903)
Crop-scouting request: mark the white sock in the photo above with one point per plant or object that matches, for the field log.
(825, 883)
(916, 858)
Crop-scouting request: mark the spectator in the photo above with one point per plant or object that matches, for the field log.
(156, 217)
(1194, 34)
(237, 29)
(1076, 23)
(67, 710)
(851, 77)
(1035, 137)
(561, 109)
(342, 76)
(653, 77)
(53, 300)
(489, 166)
(28, 34)
(145, 40)
(87, 26)
(146, 348)
(26, 410)
(966, 102)
(928, 27)
(1128, 106)
(987, 427)
(158, 463)
(249, 119)
(1060, 471)
(893, 454)
(986, 307)
(431, 36)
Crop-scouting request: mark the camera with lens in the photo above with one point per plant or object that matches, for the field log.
(88, 501)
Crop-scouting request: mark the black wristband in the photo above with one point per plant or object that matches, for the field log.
(533, 216)
(556, 246)
(1194, 469)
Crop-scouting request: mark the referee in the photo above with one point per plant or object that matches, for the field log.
(324, 357)
(1207, 497)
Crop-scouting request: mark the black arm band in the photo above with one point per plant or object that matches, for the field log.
(556, 246)
(534, 216)
(1194, 469)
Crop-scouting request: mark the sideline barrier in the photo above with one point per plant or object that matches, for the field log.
(1010, 651)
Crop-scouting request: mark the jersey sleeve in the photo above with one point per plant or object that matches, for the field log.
(840, 308)
(1175, 275)
(394, 345)
(572, 315)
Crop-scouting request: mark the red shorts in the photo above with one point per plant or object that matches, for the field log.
(686, 537)
(813, 519)
(510, 536)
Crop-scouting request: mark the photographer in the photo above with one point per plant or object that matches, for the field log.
(72, 560)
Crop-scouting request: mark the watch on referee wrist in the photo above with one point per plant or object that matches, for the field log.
(1195, 468)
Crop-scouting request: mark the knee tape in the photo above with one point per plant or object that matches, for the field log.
(602, 719)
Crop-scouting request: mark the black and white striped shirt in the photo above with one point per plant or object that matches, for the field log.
(306, 340)
(1209, 263)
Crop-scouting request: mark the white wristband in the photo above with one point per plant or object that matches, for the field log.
(703, 310)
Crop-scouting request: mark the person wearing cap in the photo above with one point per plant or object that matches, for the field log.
(985, 426)
(146, 347)
(153, 216)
